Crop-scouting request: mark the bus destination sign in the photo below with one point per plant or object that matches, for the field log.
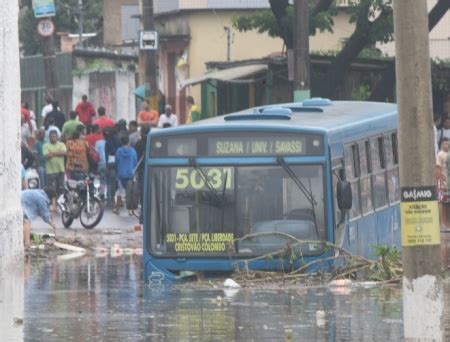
(237, 144)
(255, 146)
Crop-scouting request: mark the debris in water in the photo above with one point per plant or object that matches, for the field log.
(320, 318)
(340, 282)
(230, 283)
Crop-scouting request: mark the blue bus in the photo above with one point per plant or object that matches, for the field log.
(229, 191)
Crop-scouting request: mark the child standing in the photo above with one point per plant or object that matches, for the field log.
(126, 160)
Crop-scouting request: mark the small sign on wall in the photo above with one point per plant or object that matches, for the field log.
(148, 40)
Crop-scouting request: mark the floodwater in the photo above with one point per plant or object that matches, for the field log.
(92, 299)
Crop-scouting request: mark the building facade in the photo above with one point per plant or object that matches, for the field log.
(439, 38)
(194, 32)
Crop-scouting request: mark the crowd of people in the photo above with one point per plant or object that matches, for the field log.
(442, 145)
(88, 142)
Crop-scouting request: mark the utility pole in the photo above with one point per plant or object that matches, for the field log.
(46, 30)
(148, 59)
(422, 286)
(80, 23)
(301, 51)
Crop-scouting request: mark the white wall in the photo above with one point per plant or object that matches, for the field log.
(113, 90)
(11, 245)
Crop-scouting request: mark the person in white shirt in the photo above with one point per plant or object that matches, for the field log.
(168, 119)
(47, 108)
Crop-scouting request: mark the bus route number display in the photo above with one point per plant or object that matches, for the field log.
(253, 146)
(199, 243)
(420, 216)
(188, 178)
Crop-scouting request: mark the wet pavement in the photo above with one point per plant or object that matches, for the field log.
(92, 299)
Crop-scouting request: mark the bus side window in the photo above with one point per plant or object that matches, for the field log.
(395, 148)
(365, 183)
(378, 175)
(388, 151)
(393, 185)
(352, 173)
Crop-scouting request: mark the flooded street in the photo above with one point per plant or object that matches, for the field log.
(94, 299)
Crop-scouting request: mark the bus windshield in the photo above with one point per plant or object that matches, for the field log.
(234, 210)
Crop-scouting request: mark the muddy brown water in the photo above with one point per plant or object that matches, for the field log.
(93, 299)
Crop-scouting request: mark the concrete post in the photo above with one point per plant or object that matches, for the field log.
(422, 287)
(11, 247)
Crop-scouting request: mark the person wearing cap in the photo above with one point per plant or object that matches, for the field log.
(168, 119)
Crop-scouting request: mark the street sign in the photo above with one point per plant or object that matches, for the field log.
(44, 8)
(148, 40)
(46, 27)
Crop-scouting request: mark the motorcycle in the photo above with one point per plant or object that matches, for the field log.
(81, 199)
(32, 178)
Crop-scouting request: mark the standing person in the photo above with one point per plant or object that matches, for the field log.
(32, 122)
(148, 116)
(38, 150)
(126, 160)
(70, 126)
(85, 111)
(54, 153)
(58, 117)
(112, 143)
(140, 153)
(25, 132)
(101, 169)
(47, 108)
(133, 132)
(94, 136)
(193, 110)
(104, 121)
(27, 156)
(77, 161)
(168, 119)
(36, 202)
(51, 127)
(441, 166)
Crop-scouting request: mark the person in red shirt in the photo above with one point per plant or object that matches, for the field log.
(85, 111)
(94, 136)
(104, 121)
(25, 114)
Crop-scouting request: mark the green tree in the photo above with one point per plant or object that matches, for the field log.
(373, 23)
(278, 21)
(66, 20)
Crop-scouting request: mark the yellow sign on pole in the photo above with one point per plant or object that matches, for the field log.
(420, 216)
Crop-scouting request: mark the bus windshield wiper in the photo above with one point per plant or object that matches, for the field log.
(297, 181)
(202, 174)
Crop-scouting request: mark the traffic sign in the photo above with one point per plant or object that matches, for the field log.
(148, 40)
(44, 8)
(46, 27)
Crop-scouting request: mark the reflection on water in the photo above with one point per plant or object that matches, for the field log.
(105, 298)
(11, 304)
